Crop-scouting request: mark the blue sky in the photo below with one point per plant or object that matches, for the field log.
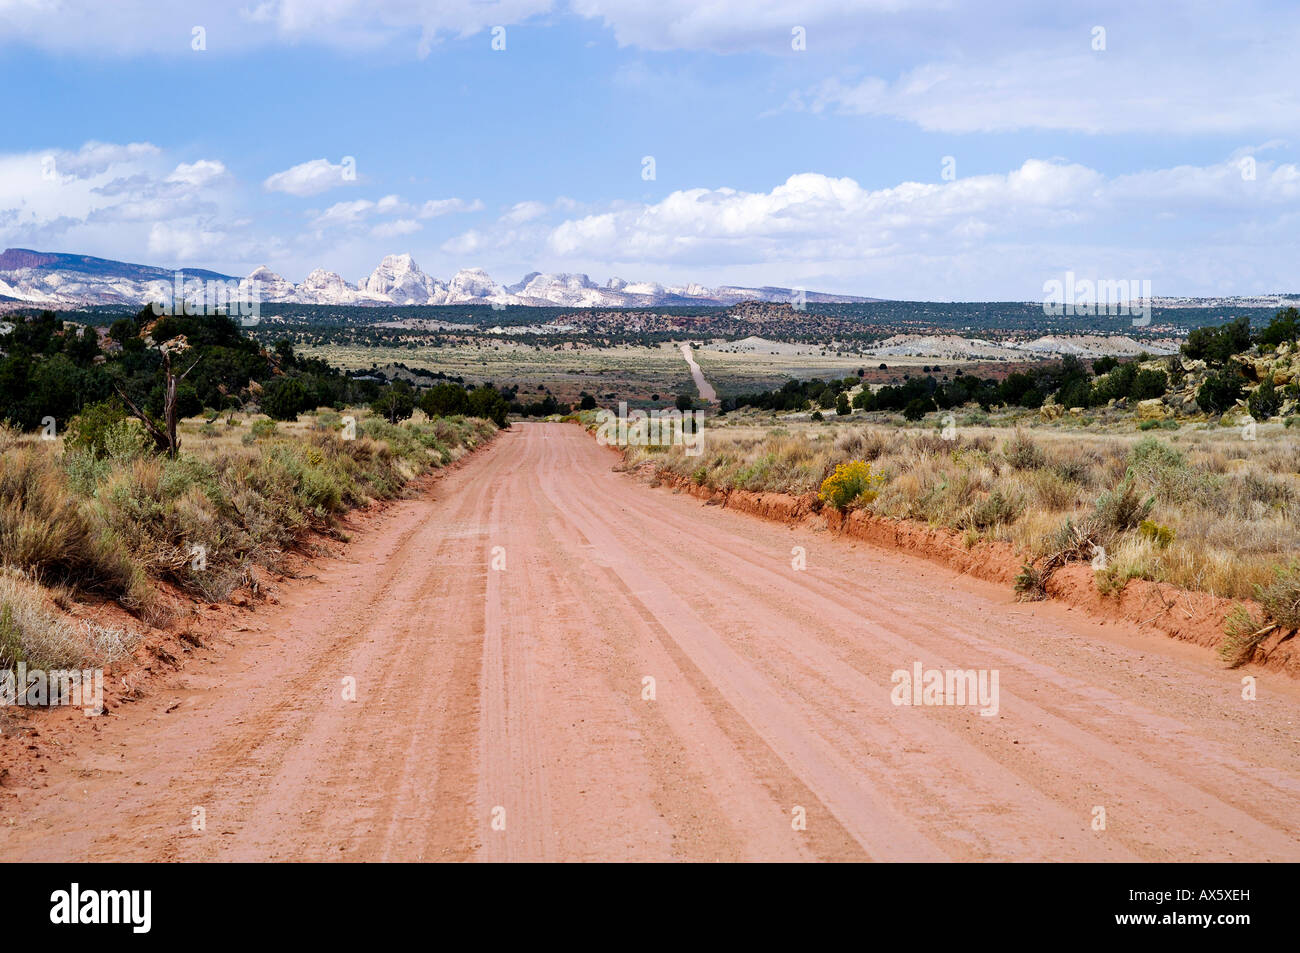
(1162, 149)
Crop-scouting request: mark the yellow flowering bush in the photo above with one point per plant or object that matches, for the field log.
(851, 483)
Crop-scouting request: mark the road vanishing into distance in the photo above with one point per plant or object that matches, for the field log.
(555, 661)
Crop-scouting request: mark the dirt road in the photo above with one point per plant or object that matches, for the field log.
(703, 386)
(516, 694)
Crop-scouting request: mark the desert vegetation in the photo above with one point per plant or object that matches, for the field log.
(99, 514)
(1201, 509)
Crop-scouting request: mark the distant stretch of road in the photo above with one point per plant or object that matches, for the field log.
(704, 387)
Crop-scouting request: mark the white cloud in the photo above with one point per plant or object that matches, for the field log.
(348, 214)
(980, 236)
(811, 211)
(312, 177)
(94, 158)
(126, 200)
(202, 172)
(437, 207)
(522, 212)
(734, 25)
(467, 243)
(170, 241)
(402, 226)
(344, 213)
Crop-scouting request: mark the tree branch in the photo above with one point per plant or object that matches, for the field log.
(155, 431)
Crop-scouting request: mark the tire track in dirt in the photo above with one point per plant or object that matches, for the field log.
(1231, 805)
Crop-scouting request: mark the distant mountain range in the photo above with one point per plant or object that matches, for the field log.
(46, 279)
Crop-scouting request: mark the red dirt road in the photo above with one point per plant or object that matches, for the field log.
(517, 694)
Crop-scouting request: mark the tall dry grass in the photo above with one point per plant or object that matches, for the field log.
(1228, 506)
(115, 521)
(32, 631)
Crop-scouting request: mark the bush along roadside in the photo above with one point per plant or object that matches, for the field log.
(98, 514)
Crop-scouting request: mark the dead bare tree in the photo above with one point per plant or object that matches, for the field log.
(163, 434)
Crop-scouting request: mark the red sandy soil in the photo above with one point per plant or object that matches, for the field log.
(522, 689)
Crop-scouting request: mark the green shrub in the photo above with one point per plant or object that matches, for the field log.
(285, 398)
(89, 429)
(1120, 509)
(1159, 534)
(395, 403)
(997, 509)
(1030, 585)
(1220, 391)
(1265, 402)
(1285, 326)
(1023, 454)
(1149, 384)
(1167, 472)
(1217, 344)
(917, 408)
(1153, 455)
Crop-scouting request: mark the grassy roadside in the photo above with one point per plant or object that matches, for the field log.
(95, 514)
(1203, 509)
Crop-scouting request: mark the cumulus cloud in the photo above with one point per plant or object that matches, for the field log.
(818, 211)
(980, 236)
(198, 173)
(312, 177)
(470, 242)
(348, 214)
(113, 199)
(344, 213)
(401, 226)
(525, 211)
(169, 241)
(438, 207)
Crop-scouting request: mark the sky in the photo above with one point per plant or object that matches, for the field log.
(933, 150)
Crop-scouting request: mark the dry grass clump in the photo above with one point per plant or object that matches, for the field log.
(1022, 453)
(1280, 599)
(54, 533)
(32, 632)
(1242, 634)
(110, 519)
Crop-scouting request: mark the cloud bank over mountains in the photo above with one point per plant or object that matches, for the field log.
(979, 236)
